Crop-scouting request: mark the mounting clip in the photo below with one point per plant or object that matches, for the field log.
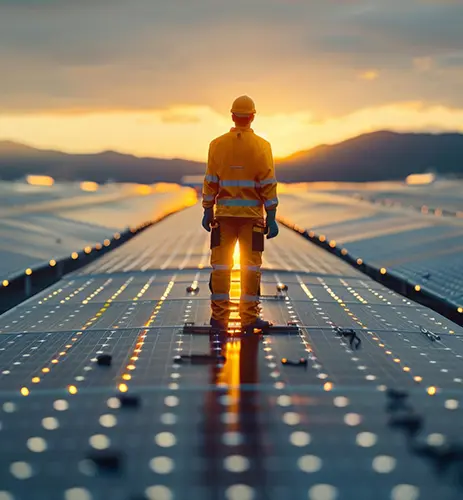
(351, 335)
(192, 328)
(431, 336)
(299, 362)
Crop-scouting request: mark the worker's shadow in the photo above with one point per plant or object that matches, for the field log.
(231, 423)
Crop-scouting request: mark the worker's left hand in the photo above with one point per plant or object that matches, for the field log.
(208, 219)
(271, 226)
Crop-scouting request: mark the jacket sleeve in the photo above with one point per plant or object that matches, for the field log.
(211, 181)
(267, 180)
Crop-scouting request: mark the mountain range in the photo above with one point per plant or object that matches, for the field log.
(376, 156)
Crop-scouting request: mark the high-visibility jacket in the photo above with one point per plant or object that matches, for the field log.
(240, 177)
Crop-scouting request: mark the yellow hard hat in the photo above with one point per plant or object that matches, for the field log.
(243, 106)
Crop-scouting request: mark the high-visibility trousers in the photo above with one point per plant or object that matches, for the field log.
(249, 232)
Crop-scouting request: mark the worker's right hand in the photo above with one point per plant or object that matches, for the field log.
(208, 219)
(271, 226)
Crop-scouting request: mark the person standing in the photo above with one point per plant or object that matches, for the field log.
(239, 186)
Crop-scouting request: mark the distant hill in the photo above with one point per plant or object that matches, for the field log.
(377, 156)
(18, 160)
(369, 157)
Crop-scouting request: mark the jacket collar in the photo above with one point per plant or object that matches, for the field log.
(241, 129)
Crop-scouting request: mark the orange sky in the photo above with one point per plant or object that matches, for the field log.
(186, 132)
(158, 78)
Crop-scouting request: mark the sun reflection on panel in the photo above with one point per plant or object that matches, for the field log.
(235, 292)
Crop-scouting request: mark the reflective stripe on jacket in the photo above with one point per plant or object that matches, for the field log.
(240, 177)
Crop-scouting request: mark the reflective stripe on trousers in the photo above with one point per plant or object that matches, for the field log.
(220, 296)
(249, 298)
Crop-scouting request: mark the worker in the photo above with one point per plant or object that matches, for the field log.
(239, 186)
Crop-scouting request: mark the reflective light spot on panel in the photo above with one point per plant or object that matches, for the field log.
(50, 423)
(436, 439)
(323, 492)
(5, 495)
(352, 419)
(60, 405)
(229, 418)
(9, 407)
(226, 400)
(232, 438)
(21, 470)
(431, 390)
(239, 492)
(87, 467)
(236, 463)
(37, 444)
(384, 464)
(162, 465)
(108, 420)
(77, 494)
(165, 439)
(291, 418)
(168, 418)
(405, 492)
(309, 463)
(451, 404)
(171, 401)
(300, 438)
(99, 442)
(284, 400)
(159, 493)
(341, 402)
(114, 403)
(366, 439)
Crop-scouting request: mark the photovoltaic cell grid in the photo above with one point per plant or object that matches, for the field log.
(425, 250)
(247, 428)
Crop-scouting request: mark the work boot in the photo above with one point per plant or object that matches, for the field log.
(258, 324)
(218, 325)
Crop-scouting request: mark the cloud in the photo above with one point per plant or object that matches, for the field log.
(74, 57)
(423, 64)
(180, 115)
(452, 60)
(369, 75)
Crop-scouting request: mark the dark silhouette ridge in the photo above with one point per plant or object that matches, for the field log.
(375, 156)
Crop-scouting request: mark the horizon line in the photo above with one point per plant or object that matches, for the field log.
(162, 157)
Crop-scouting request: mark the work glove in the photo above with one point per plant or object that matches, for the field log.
(208, 219)
(271, 226)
